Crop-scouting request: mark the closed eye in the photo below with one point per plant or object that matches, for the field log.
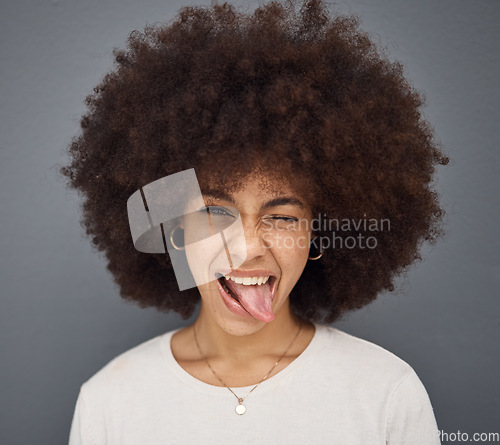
(283, 218)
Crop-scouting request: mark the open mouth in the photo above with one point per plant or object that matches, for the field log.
(254, 295)
(222, 281)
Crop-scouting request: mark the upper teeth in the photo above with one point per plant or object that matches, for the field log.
(247, 280)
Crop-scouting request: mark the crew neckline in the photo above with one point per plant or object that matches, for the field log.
(310, 351)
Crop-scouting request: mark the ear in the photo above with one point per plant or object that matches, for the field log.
(180, 222)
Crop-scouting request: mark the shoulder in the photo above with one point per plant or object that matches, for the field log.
(374, 380)
(360, 359)
(367, 373)
(134, 367)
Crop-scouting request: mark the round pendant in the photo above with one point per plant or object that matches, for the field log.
(240, 409)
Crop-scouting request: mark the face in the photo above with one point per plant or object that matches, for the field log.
(247, 251)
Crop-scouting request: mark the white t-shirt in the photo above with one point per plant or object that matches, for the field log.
(341, 390)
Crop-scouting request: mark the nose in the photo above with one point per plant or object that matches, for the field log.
(255, 244)
(244, 242)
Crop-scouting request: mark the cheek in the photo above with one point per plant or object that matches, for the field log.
(205, 258)
(292, 253)
(207, 293)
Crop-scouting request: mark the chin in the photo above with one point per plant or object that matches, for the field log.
(239, 328)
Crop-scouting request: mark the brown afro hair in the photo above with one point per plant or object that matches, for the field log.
(295, 88)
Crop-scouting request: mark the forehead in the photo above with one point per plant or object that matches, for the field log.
(269, 178)
(257, 188)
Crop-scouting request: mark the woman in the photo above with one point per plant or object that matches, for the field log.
(283, 163)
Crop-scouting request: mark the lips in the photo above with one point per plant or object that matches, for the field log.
(244, 296)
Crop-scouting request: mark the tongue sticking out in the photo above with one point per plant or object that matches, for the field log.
(256, 299)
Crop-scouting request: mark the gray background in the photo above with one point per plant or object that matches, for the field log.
(61, 316)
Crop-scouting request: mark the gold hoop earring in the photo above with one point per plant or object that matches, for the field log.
(175, 246)
(320, 254)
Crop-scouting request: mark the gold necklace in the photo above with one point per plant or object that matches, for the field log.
(240, 408)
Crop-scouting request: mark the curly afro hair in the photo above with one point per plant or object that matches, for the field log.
(294, 89)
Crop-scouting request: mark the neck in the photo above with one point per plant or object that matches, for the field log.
(270, 339)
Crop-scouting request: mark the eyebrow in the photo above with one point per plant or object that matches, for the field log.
(283, 201)
(218, 194)
(275, 202)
